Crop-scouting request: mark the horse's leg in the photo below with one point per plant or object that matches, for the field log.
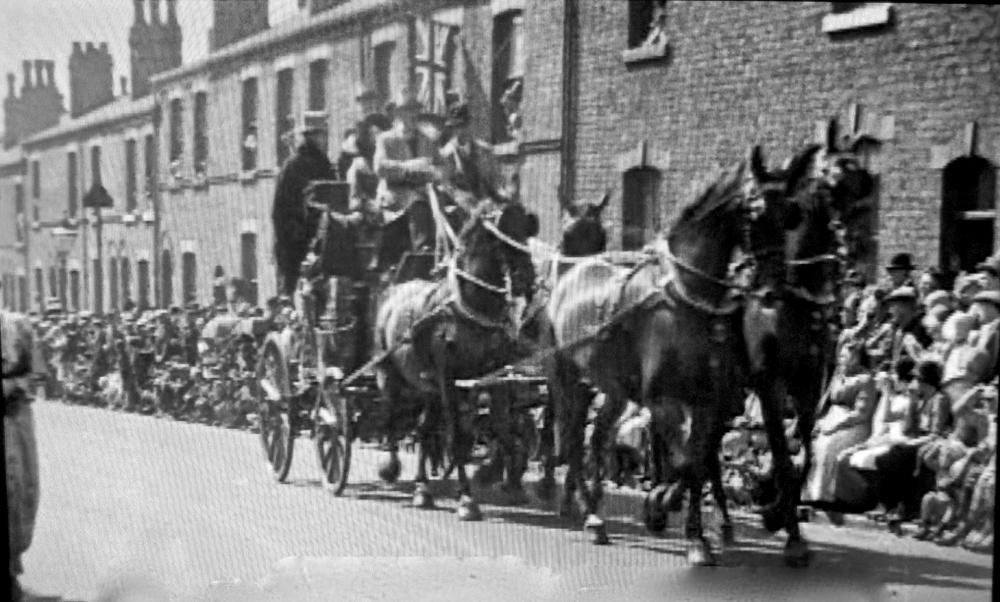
(515, 458)
(715, 470)
(796, 551)
(554, 452)
(422, 497)
(699, 551)
(781, 512)
(611, 410)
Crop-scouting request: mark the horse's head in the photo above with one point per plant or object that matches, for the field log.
(495, 243)
(583, 232)
(824, 184)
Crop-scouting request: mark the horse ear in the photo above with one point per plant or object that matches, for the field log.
(831, 135)
(532, 227)
(601, 206)
(758, 167)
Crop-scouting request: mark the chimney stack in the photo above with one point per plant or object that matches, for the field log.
(124, 82)
(10, 85)
(26, 65)
(91, 78)
(40, 73)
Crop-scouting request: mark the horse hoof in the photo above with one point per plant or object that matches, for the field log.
(468, 510)
(545, 489)
(389, 470)
(772, 518)
(728, 536)
(797, 554)
(598, 532)
(699, 553)
(422, 498)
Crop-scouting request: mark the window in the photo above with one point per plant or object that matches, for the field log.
(219, 286)
(284, 120)
(36, 180)
(64, 286)
(382, 69)
(71, 183)
(317, 85)
(201, 134)
(248, 266)
(176, 135)
(968, 213)
(35, 213)
(74, 289)
(646, 21)
(508, 76)
(131, 200)
(19, 211)
(143, 284)
(22, 288)
(250, 123)
(189, 278)
(98, 287)
(640, 210)
(40, 289)
(53, 282)
(166, 279)
(113, 283)
(126, 277)
(95, 165)
(150, 167)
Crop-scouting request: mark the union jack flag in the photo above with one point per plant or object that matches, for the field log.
(432, 59)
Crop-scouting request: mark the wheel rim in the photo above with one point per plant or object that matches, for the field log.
(275, 429)
(333, 441)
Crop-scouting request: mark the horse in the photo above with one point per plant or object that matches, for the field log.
(432, 333)
(640, 333)
(791, 340)
(583, 235)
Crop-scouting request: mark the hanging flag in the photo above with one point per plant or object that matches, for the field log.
(432, 59)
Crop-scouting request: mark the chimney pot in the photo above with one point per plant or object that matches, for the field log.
(104, 47)
(124, 82)
(77, 48)
(171, 11)
(10, 85)
(140, 16)
(40, 73)
(26, 65)
(50, 68)
(154, 10)
(90, 47)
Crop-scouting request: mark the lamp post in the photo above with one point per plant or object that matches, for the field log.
(96, 198)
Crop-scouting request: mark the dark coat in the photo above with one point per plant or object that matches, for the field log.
(292, 228)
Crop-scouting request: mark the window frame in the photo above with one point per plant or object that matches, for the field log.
(72, 183)
(131, 175)
(201, 146)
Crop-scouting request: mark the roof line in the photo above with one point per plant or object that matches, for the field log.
(131, 110)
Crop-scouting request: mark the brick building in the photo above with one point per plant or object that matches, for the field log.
(664, 91)
(226, 118)
(13, 240)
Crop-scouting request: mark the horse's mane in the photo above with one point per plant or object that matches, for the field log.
(711, 192)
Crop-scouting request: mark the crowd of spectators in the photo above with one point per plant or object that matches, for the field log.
(907, 426)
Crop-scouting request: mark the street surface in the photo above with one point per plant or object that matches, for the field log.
(193, 509)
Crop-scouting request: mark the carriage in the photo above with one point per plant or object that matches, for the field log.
(315, 372)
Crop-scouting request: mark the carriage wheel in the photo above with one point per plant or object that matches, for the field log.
(277, 428)
(334, 433)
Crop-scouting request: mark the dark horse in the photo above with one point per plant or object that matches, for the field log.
(665, 332)
(583, 235)
(436, 332)
(790, 342)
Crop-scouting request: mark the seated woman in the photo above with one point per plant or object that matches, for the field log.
(845, 422)
(856, 484)
(902, 479)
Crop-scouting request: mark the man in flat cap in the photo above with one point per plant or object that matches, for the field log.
(290, 216)
(909, 337)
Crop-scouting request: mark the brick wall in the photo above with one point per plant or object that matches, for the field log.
(740, 73)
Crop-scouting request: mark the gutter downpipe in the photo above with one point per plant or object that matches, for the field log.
(567, 168)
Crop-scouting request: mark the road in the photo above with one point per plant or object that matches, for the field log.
(192, 510)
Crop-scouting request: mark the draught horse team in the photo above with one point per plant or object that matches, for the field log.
(674, 328)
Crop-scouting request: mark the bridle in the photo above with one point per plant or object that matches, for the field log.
(792, 267)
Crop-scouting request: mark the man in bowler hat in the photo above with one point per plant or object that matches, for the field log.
(899, 269)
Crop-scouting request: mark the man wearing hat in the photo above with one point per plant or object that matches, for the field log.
(854, 282)
(292, 230)
(470, 171)
(909, 337)
(899, 270)
(404, 172)
(990, 271)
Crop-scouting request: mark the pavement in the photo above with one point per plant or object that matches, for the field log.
(182, 511)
